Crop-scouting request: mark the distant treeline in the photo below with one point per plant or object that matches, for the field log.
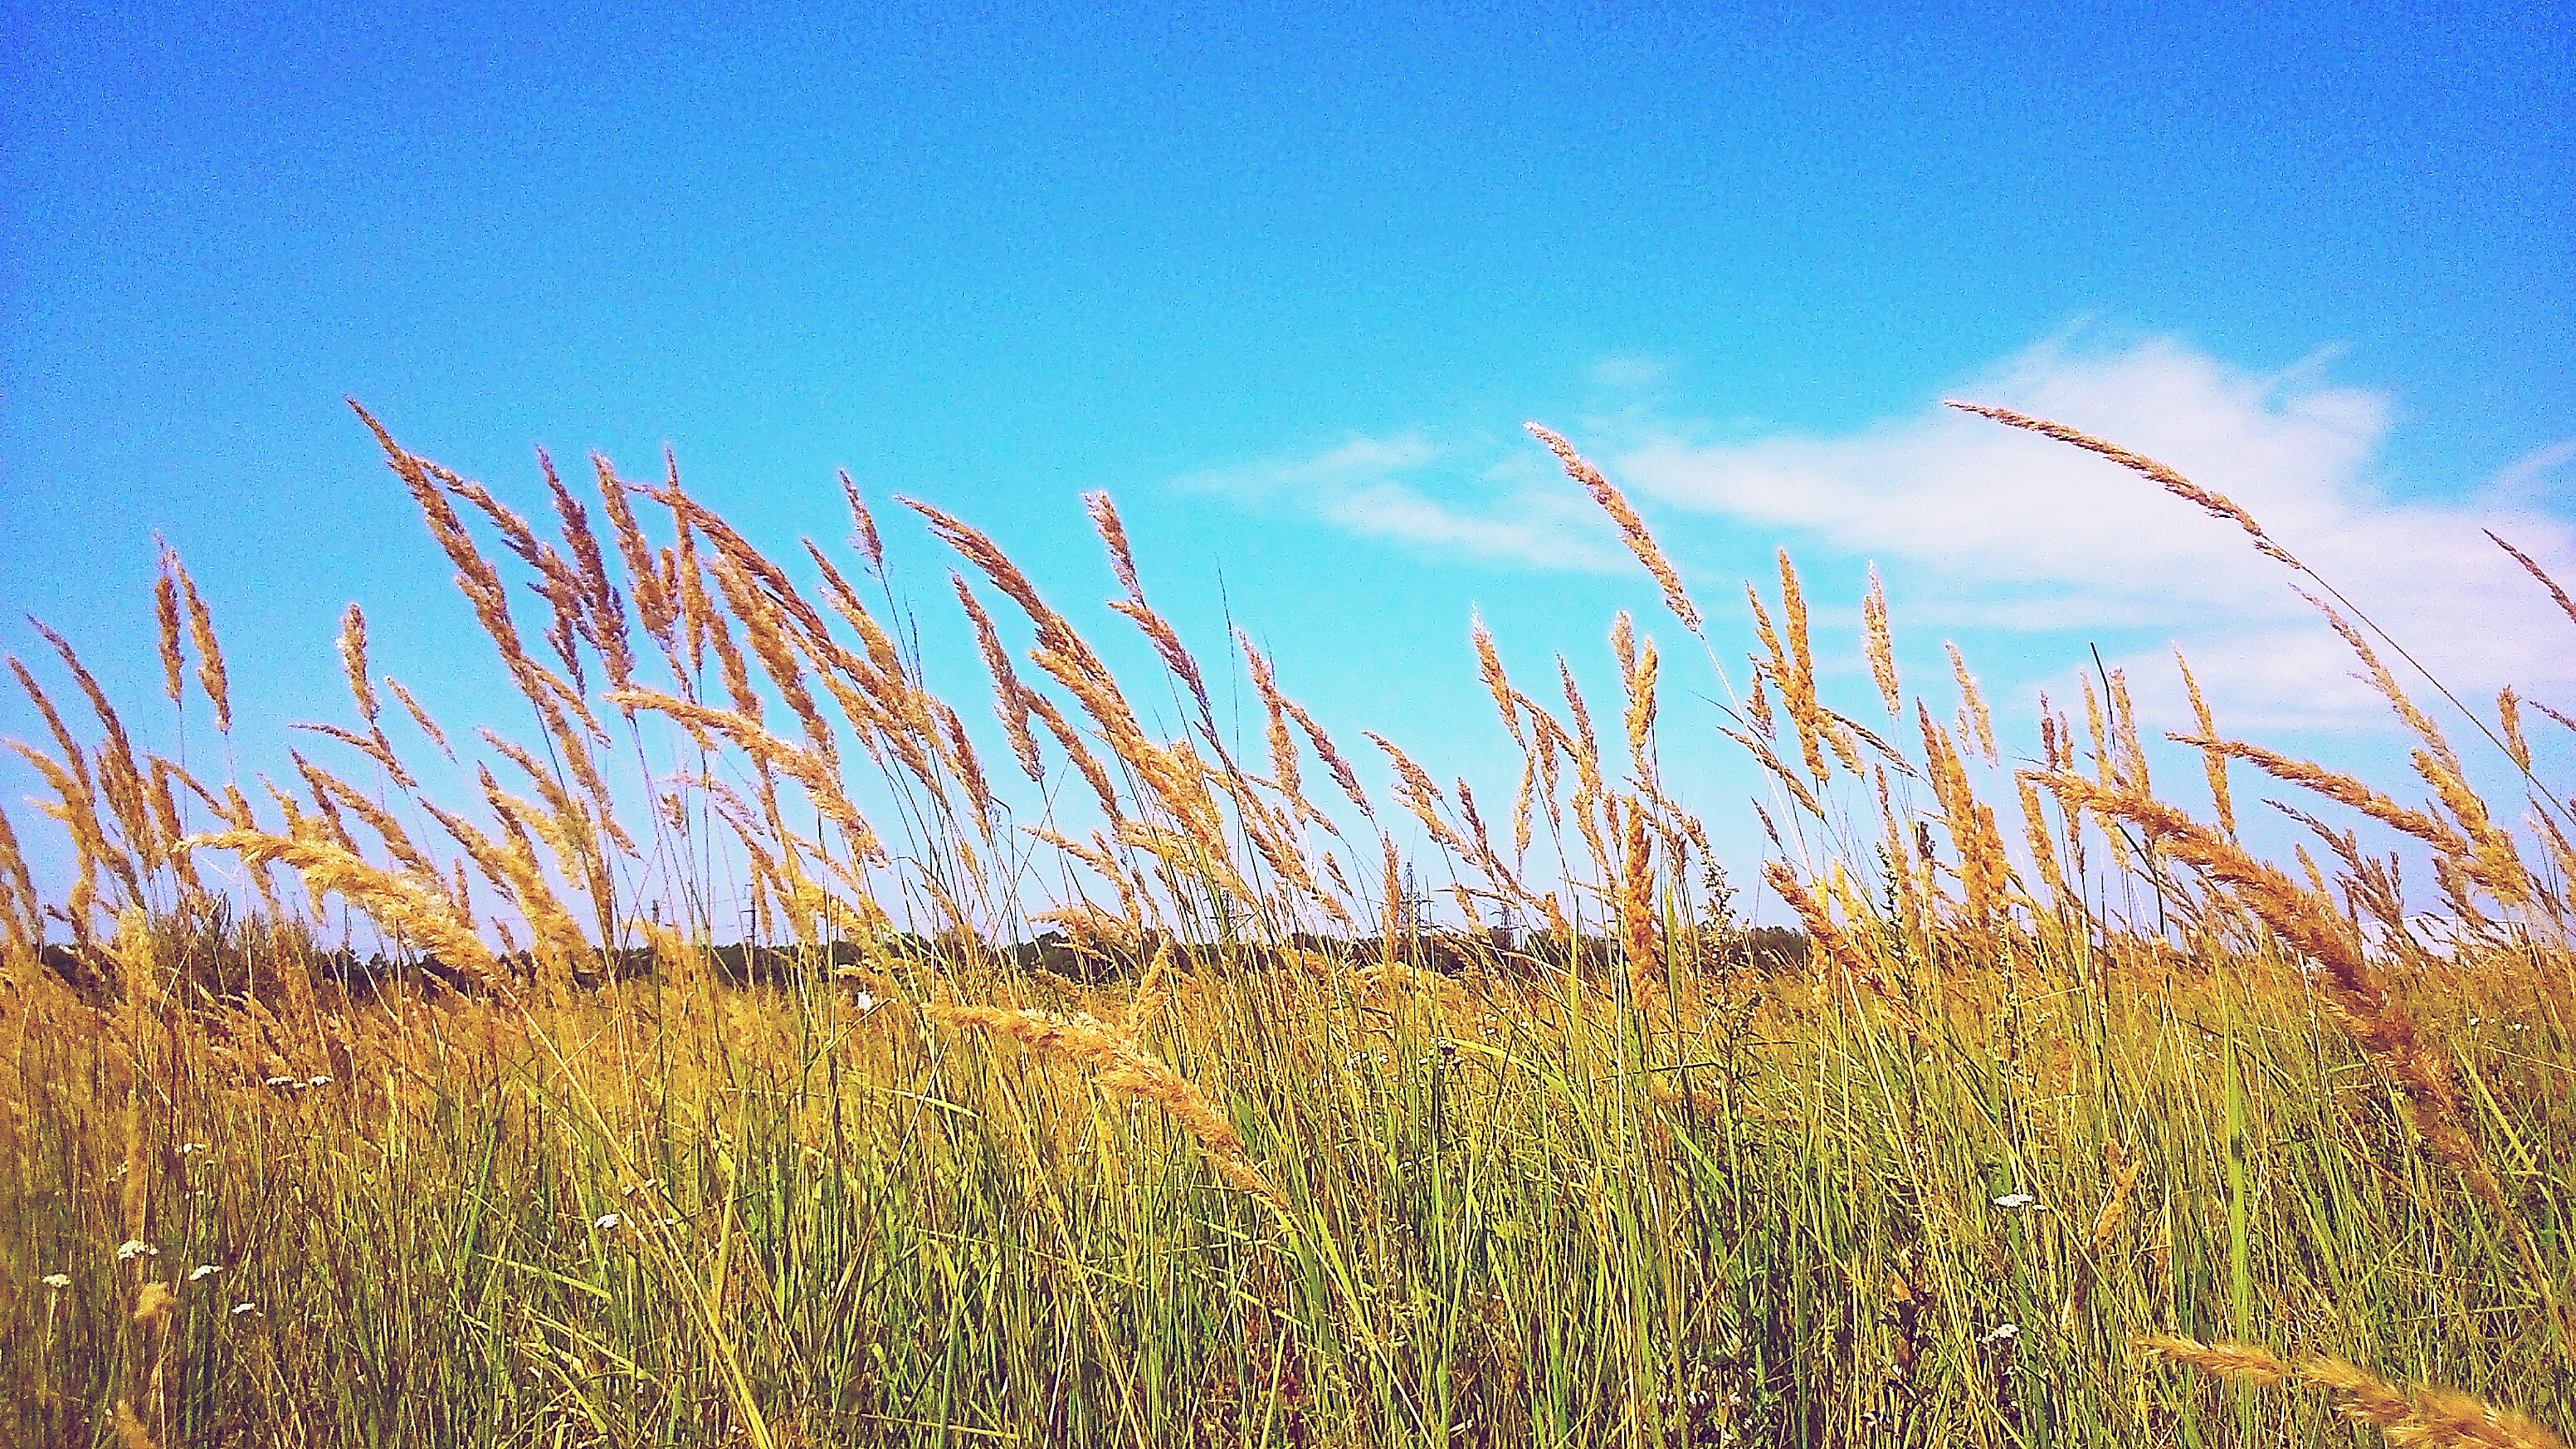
(252, 958)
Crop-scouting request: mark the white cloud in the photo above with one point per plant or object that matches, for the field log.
(2012, 531)
(1998, 532)
(2531, 478)
(1408, 489)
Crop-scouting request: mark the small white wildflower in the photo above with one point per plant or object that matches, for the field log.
(864, 1001)
(2015, 1200)
(204, 1270)
(317, 1081)
(241, 1308)
(608, 1221)
(133, 1248)
(289, 1083)
(2001, 1332)
(186, 1148)
(57, 1280)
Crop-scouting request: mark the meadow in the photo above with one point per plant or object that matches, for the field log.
(1161, 1103)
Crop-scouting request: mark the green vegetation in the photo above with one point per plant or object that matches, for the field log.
(1988, 1163)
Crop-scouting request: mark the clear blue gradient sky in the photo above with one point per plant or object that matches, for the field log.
(1286, 280)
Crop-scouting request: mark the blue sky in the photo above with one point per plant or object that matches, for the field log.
(1286, 280)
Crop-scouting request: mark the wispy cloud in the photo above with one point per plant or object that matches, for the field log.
(2010, 531)
(1453, 500)
(1998, 533)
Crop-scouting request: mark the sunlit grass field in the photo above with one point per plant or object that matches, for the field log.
(1160, 1103)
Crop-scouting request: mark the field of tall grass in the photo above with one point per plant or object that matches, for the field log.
(1158, 1103)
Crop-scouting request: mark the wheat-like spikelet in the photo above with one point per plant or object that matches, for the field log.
(1881, 647)
(960, 753)
(120, 779)
(1010, 698)
(1340, 769)
(165, 610)
(420, 718)
(1975, 704)
(1094, 774)
(1415, 788)
(353, 659)
(1489, 665)
(2217, 505)
(603, 613)
(2042, 853)
(1632, 529)
(2565, 605)
(373, 745)
(402, 904)
(1836, 946)
(1983, 873)
(2509, 715)
(1800, 708)
(653, 603)
(2341, 788)
(761, 626)
(863, 526)
(690, 585)
(1119, 1063)
(1637, 934)
(1641, 711)
(1283, 745)
(21, 911)
(2213, 760)
(210, 656)
(2426, 1416)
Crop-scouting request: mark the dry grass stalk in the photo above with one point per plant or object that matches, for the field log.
(1641, 711)
(373, 745)
(2355, 994)
(2343, 789)
(2509, 715)
(765, 624)
(1415, 788)
(1881, 647)
(21, 910)
(2213, 760)
(1283, 745)
(1984, 874)
(404, 905)
(2423, 1415)
(165, 609)
(420, 718)
(2217, 505)
(863, 527)
(1975, 704)
(602, 616)
(1836, 946)
(2565, 605)
(1118, 1063)
(353, 661)
(1632, 529)
(1489, 665)
(1340, 769)
(120, 779)
(210, 656)
(1093, 772)
(653, 603)
(1798, 705)
(1637, 933)
(1010, 697)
